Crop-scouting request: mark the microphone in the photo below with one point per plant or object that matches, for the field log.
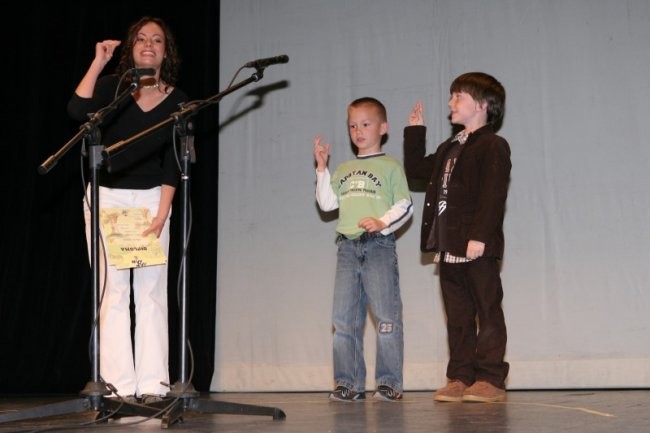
(142, 72)
(263, 63)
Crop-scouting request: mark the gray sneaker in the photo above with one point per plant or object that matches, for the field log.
(129, 399)
(150, 398)
(386, 393)
(342, 393)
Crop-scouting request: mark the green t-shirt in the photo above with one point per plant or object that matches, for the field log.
(367, 187)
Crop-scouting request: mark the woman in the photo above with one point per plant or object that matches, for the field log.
(143, 175)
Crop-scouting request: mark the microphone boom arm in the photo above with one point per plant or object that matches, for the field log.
(87, 128)
(184, 113)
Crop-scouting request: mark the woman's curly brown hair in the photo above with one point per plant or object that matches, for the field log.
(171, 62)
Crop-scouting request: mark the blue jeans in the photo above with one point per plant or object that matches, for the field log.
(367, 275)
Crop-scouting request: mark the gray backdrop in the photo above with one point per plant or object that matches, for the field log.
(575, 272)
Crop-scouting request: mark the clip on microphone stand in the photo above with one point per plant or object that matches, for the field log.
(185, 397)
(93, 394)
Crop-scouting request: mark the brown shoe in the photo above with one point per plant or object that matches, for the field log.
(452, 392)
(484, 392)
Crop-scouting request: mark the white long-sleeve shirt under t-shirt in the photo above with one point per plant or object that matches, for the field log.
(368, 186)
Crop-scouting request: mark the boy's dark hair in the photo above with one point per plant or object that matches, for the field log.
(483, 88)
(367, 100)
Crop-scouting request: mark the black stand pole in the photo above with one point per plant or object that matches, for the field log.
(185, 397)
(93, 394)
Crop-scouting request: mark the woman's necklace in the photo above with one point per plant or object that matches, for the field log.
(151, 86)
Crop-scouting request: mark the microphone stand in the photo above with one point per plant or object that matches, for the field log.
(93, 394)
(185, 397)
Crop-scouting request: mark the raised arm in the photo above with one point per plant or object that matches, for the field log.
(103, 54)
(321, 153)
(416, 117)
(325, 195)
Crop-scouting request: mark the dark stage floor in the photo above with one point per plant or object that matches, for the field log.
(586, 411)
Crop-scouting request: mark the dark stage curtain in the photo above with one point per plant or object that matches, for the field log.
(45, 292)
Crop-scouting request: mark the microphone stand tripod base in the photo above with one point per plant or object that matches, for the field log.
(92, 400)
(187, 400)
